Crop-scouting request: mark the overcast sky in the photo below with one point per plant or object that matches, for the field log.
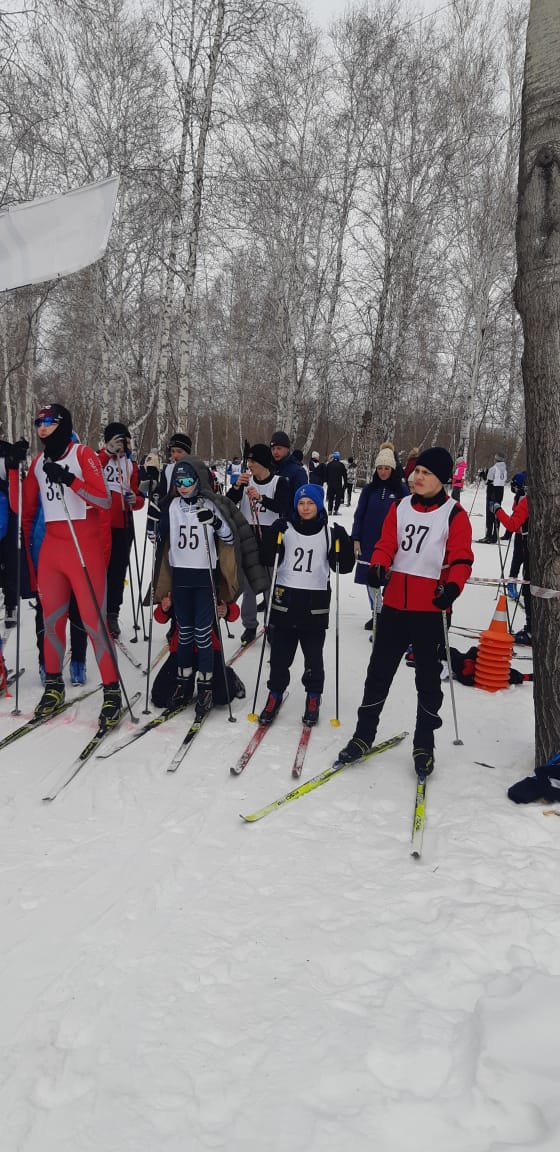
(323, 11)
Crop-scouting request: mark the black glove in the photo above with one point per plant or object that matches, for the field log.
(376, 576)
(445, 595)
(16, 453)
(206, 516)
(281, 524)
(56, 473)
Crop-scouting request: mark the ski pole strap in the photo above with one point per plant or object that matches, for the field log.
(536, 590)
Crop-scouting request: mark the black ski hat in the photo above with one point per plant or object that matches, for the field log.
(56, 444)
(438, 461)
(281, 439)
(262, 454)
(116, 429)
(181, 440)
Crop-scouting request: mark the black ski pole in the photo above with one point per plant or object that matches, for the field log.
(253, 715)
(232, 719)
(150, 629)
(336, 720)
(451, 688)
(16, 711)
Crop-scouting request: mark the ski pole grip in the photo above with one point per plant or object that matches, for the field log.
(337, 545)
(278, 539)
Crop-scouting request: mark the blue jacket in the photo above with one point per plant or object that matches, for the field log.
(294, 472)
(374, 503)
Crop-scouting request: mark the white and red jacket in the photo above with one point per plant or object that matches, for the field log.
(121, 476)
(91, 525)
(411, 548)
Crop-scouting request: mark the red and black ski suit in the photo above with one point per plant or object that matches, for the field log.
(408, 616)
(60, 571)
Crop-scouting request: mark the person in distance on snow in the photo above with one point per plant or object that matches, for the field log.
(336, 477)
(67, 479)
(519, 522)
(496, 477)
(285, 463)
(375, 500)
(301, 597)
(189, 521)
(262, 497)
(426, 544)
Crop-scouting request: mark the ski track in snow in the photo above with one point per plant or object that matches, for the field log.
(176, 981)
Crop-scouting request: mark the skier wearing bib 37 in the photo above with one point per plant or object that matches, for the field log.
(426, 543)
(301, 597)
(67, 478)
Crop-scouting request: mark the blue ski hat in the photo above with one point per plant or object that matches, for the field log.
(313, 492)
(336, 455)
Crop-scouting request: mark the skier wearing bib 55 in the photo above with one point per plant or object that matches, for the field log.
(301, 597)
(190, 522)
(426, 543)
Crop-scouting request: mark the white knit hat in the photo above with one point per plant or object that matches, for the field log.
(385, 459)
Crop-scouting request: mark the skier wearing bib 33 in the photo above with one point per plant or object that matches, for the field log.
(68, 480)
(301, 598)
(426, 543)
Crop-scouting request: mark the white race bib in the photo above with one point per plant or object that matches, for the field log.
(421, 539)
(51, 494)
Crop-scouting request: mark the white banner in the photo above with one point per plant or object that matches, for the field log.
(56, 235)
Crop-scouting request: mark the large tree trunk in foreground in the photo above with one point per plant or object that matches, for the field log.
(538, 302)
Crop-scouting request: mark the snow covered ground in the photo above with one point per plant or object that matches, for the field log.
(174, 980)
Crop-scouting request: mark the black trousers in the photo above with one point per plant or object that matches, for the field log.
(334, 497)
(395, 631)
(283, 646)
(493, 496)
(121, 540)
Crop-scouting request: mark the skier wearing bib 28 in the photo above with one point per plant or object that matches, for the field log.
(190, 523)
(121, 476)
(426, 543)
(301, 598)
(67, 479)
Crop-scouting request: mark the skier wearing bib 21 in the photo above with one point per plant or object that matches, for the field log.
(426, 543)
(301, 597)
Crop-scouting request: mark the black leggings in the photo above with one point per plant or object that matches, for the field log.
(395, 631)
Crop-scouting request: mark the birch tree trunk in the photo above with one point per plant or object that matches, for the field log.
(186, 333)
(538, 302)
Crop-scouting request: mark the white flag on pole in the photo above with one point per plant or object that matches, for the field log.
(56, 235)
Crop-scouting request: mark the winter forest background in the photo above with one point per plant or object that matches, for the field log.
(315, 229)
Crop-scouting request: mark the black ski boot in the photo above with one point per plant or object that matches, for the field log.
(184, 689)
(111, 707)
(271, 707)
(423, 761)
(353, 751)
(312, 705)
(52, 698)
(204, 697)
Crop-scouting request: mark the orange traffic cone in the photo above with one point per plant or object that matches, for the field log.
(493, 661)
